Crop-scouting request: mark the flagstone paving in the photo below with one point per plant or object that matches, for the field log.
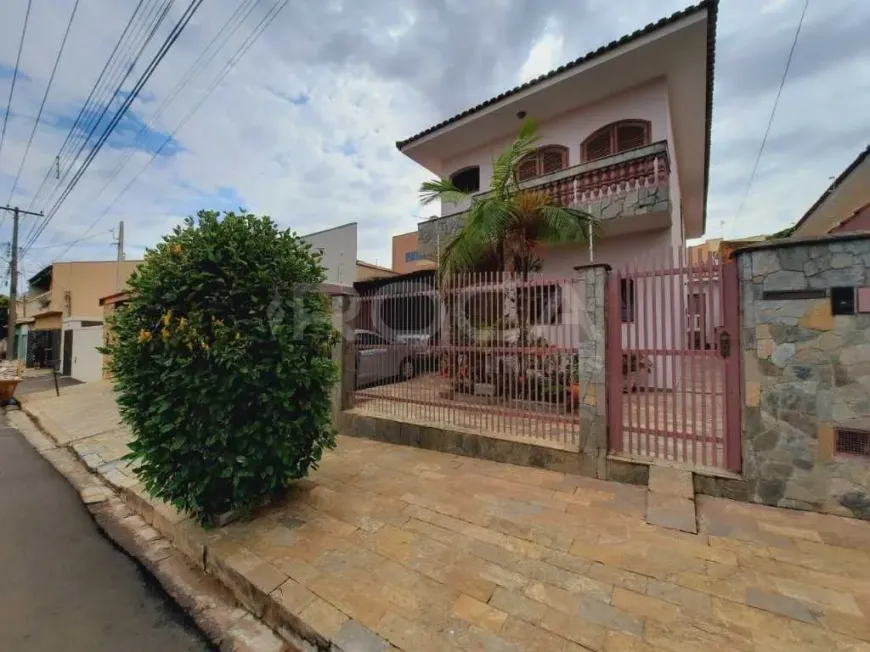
(389, 547)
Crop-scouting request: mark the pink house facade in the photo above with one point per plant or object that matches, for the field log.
(624, 134)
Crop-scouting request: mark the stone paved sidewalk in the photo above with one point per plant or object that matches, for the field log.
(389, 547)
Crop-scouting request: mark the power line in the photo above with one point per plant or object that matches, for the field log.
(97, 84)
(772, 112)
(237, 56)
(111, 92)
(44, 98)
(116, 66)
(197, 67)
(14, 79)
(143, 79)
(97, 89)
(69, 244)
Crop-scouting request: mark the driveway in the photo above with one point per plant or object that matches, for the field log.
(63, 586)
(439, 553)
(43, 382)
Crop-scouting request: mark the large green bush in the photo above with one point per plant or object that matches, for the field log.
(222, 363)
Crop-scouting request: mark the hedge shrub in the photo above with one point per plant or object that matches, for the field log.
(222, 363)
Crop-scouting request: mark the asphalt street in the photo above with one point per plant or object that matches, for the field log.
(63, 586)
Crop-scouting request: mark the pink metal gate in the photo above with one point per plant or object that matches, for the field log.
(673, 361)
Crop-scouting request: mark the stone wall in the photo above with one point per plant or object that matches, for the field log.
(642, 201)
(806, 372)
(593, 403)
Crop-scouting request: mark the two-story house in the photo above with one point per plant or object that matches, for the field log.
(60, 297)
(625, 135)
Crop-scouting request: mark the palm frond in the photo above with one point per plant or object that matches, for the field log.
(561, 224)
(505, 164)
(441, 189)
(528, 130)
(486, 224)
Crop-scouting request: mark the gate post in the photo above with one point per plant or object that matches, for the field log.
(591, 367)
(343, 308)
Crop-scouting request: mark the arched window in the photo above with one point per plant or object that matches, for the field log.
(616, 137)
(467, 179)
(544, 160)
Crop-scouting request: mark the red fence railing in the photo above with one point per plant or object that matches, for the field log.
(673, 338)
(491, 353)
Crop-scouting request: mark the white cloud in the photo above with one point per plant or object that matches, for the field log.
(546, 54)
(304, 127)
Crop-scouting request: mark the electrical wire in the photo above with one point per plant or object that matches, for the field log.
(15, 73)
(12, 87)
(96, 87)
(70, 244)
(107, 97)
(196, 68)
(231, 63)
(132, 95)
(772, 113)
(77, 128)
(42, 104)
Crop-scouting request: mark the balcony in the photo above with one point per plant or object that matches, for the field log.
(627, 192)
(33, 304)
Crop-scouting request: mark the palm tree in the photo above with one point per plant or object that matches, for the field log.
(507, 222)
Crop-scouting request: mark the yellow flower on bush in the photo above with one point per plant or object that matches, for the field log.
(218, 323)
(164, 333)
(167, 318)
(144, 335)
(204, 345)
(176, 249)
(182, 323)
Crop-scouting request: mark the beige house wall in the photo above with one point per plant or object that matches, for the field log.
(366, 271)
(403, 245)
(47, 322)
(87, 283)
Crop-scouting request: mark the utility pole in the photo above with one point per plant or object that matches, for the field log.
(120, 244)
(11, 353)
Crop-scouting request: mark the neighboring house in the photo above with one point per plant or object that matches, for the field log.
(337, 248)
(844, 206)
(367, 271)
(406, 254)
(717, 247)
(625, 135)
(110, 304)
(857, 221)
(66, 297)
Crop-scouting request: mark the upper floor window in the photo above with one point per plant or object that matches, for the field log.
(467, 179)
(411, 256)
(615, 138)
(543, 160)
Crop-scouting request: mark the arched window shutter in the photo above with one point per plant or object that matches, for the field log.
(553, 159)
(545, 160)
(598, 145)
(629, 136)
(615, 138)
(528, 167)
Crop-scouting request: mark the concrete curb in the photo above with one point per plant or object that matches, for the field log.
(213, 609)
(301, 620)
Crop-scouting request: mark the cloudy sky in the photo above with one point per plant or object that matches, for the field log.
(303, 128)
